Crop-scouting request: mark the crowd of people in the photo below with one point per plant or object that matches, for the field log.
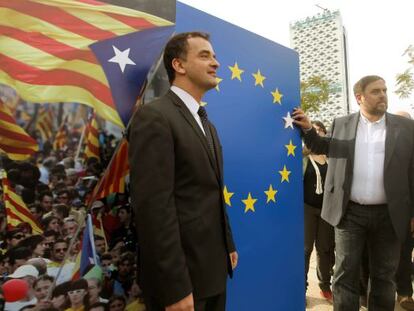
(56, 188)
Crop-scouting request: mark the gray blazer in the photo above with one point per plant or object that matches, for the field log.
(398, 168)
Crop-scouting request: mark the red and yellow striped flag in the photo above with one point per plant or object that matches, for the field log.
(98, 228)
(92, 139)
(113, 180)
(14, 141)
(16, 210)
(44, 122)
(61, 136)
(45, 54)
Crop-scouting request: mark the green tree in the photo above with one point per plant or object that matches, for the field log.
(405, 80)
(314, 92)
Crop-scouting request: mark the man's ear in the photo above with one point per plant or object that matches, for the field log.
(358, 98)
(178, 66)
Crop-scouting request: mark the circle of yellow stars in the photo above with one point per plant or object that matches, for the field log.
(237, 73)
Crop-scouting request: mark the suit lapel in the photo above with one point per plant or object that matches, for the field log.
(391, 138)
(350, 128)
(194, 125)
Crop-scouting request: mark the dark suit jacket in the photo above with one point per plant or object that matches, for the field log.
(398, 168)
(176, 190)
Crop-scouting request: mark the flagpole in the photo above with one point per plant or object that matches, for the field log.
(80, 141)
(72, 242)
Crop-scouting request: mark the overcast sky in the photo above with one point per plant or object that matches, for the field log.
(378, 31)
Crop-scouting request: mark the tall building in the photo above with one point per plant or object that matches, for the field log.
(320, 41)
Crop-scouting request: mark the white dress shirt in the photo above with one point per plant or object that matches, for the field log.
(190, 102)
(368, 177)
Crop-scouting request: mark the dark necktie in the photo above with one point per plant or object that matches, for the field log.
(204, 121)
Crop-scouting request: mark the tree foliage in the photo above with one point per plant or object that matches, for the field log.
(314, 93)
(405, 80)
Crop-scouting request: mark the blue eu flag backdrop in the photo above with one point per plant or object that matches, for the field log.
(257, 90)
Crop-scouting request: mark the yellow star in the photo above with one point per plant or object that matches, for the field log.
(218, 80)
(277, 96)
(290, 148)
(249, 202)
(236, 71)
(285, 174)
(271, 194)
(227, 196)
(202, 104)
(258, 78)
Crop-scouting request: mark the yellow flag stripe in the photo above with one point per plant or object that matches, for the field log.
(12, 18)
(55, 94)
(102, 21)
(18, 144)
(16, 156)
(32, 56)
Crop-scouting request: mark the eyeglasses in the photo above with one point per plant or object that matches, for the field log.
(76, 291)
(57, 250)
(18, 236)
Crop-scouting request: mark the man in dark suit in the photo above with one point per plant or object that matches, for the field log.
(369, 192)
(186, 246)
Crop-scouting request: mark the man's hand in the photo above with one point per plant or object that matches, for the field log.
(301, 119)
(234, 258)
(185, 304)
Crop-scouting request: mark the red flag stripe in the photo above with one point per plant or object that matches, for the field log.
(32, 222)
(122, 159)
(15, 216)
(59, 18)
(112, 180)
(110, 172)
(16, 150)
(6, 117)
(16, 136)
(134, 22)
(49, 45)
(18, 207)
(11, 214)
(94, 150)
(92, 131)
(61, 77)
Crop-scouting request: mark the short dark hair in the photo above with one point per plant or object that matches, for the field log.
(44, 194)
(31, 242)
(44, 277)
(320, 125)
(106, 256)
(177, 48)
(115, 298)
(18, 252)
(361, 84)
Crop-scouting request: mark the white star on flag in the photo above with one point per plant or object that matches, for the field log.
(288, 121)
(121, 58)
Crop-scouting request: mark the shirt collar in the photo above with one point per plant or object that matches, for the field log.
(188, 100)
(366, 121)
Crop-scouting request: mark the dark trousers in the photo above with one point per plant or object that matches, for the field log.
(404, 272)
(370, 225)
(320, 233)
(403, 276)
(214, 303)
